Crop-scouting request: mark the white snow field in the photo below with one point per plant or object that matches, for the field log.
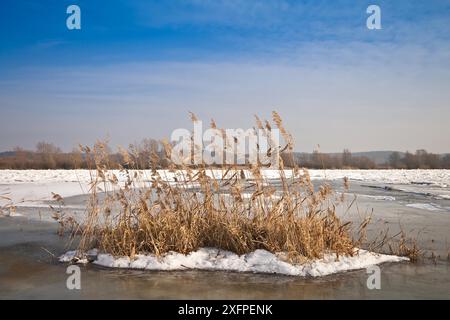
(259, 261)
(430, 177)
(33, 187)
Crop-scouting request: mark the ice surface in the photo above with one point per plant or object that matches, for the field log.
(425, 206)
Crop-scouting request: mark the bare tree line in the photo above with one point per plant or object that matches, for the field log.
(49, 156)
(139, 155)
(345, 160)
(421, 159)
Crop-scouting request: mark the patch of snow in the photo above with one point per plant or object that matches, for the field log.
(382, 198)
(36, 194)
(425, 206)
(259, 261)
(73, 256)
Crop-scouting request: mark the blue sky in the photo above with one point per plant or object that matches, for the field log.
(136, 68)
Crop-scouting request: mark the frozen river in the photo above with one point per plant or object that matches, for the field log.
(415, 201)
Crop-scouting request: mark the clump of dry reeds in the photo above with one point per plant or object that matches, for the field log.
(151, 214)
(399, 244)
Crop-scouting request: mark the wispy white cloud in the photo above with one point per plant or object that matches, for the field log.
(359, 96)
(335, 82)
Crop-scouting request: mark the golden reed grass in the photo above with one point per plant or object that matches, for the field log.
(148, 214)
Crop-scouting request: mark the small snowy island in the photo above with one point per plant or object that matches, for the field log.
(259, 261)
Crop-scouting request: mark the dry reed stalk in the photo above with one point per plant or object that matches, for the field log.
(156, 216)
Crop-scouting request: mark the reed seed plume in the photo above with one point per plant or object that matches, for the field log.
(233, 207)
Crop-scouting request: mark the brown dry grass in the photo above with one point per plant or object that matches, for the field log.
(149, 214)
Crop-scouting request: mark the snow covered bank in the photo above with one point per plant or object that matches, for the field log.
(34, 187)
(426, 177)
(440, 178)
(259, 261)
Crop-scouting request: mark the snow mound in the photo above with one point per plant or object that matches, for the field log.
(259, 261)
